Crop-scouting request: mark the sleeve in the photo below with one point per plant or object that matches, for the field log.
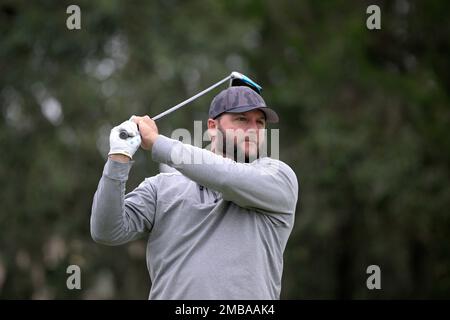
(115, 218)
(267, 185)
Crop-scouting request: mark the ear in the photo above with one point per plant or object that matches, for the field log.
(212, 127)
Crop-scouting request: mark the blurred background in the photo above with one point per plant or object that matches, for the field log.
(365, 124)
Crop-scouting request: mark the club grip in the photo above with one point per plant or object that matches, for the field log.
(123, 134)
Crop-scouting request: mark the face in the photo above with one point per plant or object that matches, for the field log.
(238, 135)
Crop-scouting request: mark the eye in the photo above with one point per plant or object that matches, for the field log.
(242, 119)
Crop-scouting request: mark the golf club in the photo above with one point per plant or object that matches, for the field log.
(236, 79)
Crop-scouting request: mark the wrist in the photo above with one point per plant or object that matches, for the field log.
(119, 158)
(153, 138)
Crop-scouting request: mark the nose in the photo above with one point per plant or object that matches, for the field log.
(252, 131)
(252, 125)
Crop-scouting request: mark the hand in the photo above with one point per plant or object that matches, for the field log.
(148, 130)
(126, 147)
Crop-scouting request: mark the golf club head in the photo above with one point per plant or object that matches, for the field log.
(238, 79)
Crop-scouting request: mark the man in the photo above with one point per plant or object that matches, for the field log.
(216, 228)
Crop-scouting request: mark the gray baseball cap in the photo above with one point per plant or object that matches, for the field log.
(240, 99)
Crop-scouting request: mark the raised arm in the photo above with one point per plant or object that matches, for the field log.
(116, 218)
(267, 185)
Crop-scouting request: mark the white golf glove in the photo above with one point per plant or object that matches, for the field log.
(126, 146)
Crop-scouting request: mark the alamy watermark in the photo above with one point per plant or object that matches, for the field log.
(73, 21)
(374, 20)
(374, 280)
(227, 145)
(74, 280)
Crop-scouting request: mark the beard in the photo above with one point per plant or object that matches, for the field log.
(231, 150)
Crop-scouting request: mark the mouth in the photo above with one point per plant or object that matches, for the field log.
(249, 146)
(248, 140)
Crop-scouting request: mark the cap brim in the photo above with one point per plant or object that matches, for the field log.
(271, 115)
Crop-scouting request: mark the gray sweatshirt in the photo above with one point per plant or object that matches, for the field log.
(215, 229)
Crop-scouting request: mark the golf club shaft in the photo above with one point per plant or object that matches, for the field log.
(124, 135)
(162, 114)
(234, 75)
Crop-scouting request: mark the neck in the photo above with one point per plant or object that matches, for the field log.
(225, 155)
(218, 152)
